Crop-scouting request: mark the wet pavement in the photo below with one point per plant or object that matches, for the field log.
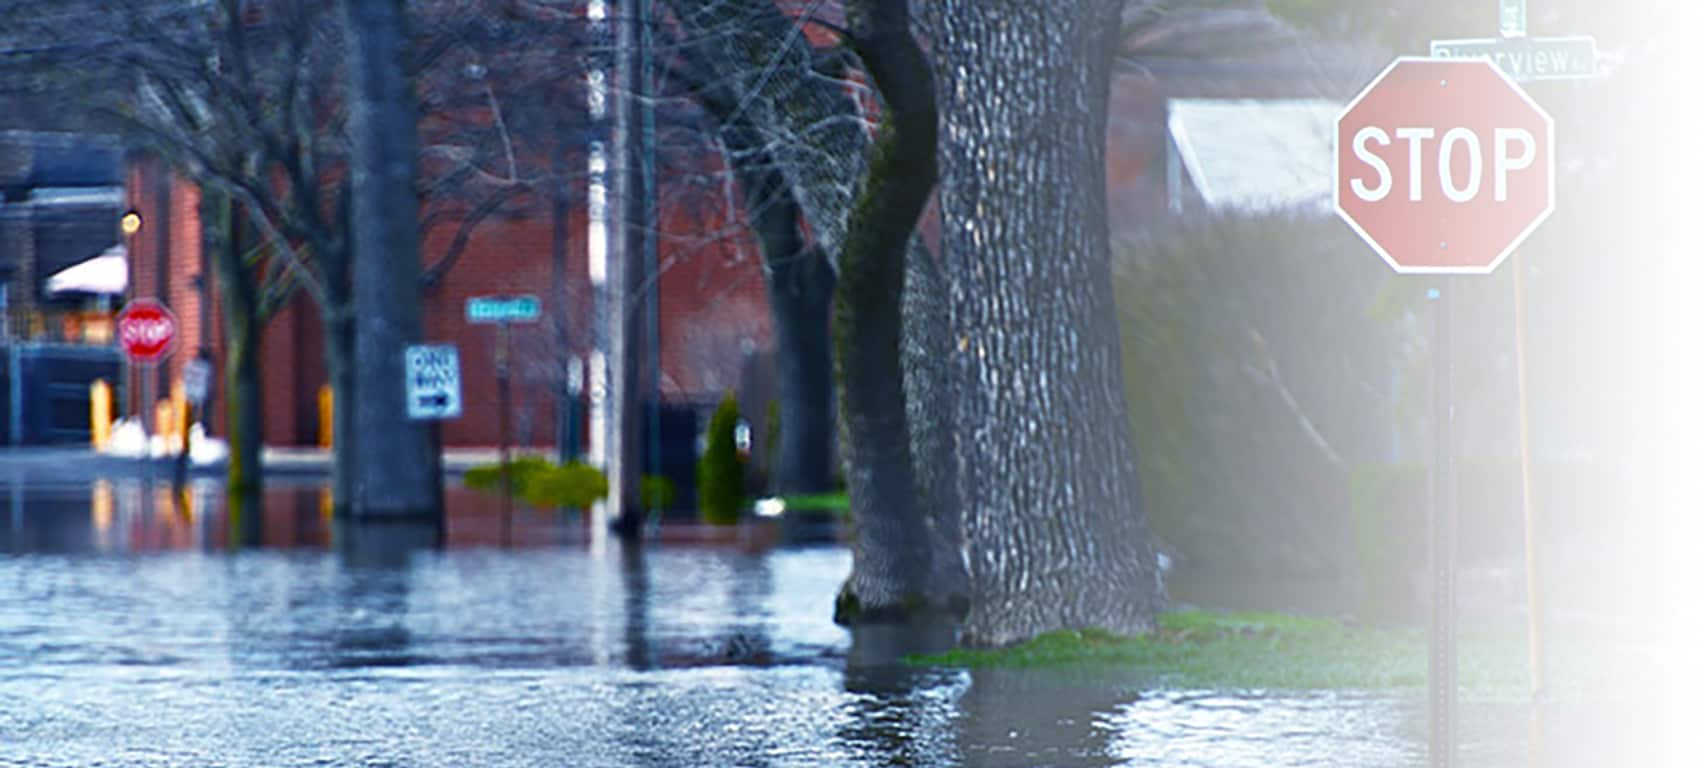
(144, 627)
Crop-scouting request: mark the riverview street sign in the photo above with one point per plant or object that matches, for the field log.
(146, 331)
(503, 309)
(1444, 166)
(433, 382)
(1527, 58)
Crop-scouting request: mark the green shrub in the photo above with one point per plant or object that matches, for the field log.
(543, 484)
(720, 472)
(658, 492)
(573, 485)
(488, 477)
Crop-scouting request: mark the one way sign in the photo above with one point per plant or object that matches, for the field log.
(433, 382)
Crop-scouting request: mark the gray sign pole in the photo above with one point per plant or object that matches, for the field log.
(1442, 543)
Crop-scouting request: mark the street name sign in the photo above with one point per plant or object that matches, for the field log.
(433, 382)
(1444, 166)
(1528, 58)
(503, 309)
(147, 330)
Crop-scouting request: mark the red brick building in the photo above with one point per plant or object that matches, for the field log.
(712, 307)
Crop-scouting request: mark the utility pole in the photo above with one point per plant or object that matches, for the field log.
(632, 191)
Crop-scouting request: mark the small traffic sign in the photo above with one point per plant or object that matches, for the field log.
(146, 331)
(433, 382)
(197, 380)
(1513, 18)
(1528, 58)
(503, 309)
(1444, 166)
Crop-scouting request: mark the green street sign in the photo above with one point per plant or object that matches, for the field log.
(1527, 58)
(503, 309)
(1513, 18)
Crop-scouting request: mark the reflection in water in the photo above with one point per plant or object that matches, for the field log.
(634, 581)
(1014, 717)
(149, 629)
(897, 710)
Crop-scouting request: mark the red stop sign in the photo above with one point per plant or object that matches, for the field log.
(146, 330)
(1444, 165)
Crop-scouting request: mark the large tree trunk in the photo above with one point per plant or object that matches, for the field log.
(890, 575)
(1053, 519)
(398, 472)
(930, 397)
(799, 292)
(240, 311)
(778, 113)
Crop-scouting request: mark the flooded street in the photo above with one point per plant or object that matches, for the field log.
(139, 631)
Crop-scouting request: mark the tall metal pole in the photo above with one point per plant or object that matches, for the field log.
(1443, 533)
(505, 405)
(625, 333)
(652, 255)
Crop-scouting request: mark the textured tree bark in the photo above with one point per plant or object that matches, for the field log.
(930, 400)
(1053, 520)
(889, 577)
(398, 472)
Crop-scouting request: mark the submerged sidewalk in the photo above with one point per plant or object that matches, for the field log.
(75, 463)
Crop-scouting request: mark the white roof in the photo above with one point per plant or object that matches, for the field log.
(1257, 155)
(108, 273)
(109, 196)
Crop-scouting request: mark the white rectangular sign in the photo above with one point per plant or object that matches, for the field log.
(197, 380)
(433, 382)
(1528, 58)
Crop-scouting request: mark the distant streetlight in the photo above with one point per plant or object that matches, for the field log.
(130, 223)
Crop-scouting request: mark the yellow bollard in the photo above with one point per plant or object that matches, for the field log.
(162, 422)
(100, 414)
(327, 410)
(179, 415)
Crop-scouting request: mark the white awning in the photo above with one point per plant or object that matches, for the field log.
(108, 274)
(1255, 155)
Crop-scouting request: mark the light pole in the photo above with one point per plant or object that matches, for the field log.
(130, 225)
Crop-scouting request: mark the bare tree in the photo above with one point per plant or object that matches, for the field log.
(239, 103)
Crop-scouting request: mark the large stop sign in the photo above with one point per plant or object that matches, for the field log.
(146, 331)
(1444, 165)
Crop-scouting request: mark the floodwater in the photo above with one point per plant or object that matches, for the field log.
(142, 628)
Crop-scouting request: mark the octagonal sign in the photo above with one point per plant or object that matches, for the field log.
(147, 330)
(1444, 166)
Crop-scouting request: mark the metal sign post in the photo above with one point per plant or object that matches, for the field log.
(503, 312)
(1409, 204)
(1442, 543)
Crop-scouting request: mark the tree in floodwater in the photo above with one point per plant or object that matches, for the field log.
(892, 569)
(798, 142)
(398, 468)
(1053, 519)
(235, 107)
